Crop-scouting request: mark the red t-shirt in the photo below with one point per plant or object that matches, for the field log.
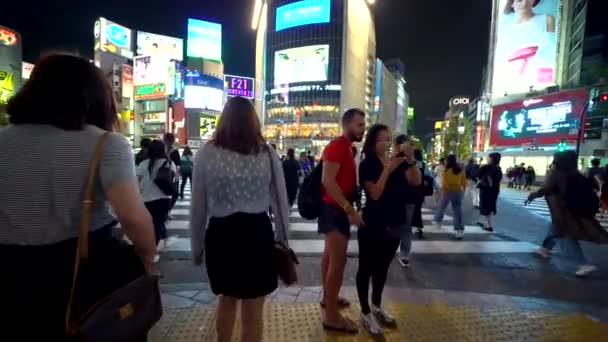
(340, 151)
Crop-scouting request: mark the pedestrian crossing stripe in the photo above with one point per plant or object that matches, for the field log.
(180, 246)
(539, 207)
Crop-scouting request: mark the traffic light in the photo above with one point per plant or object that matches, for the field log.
(562, 146)
(603, 97)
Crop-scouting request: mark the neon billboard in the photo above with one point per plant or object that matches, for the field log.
(239, 86)
(301, 13)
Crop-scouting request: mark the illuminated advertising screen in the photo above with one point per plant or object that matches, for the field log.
(10, 63)
(150, 44)
(204, 40)
(150, 91)
(525, 53)
(239, 86)
(113, 38)
(543, 120)
(201, 97)
(127, 81)
(26, 70)
(208, 123)
(151, 69)
(301, 64)
(303, 13)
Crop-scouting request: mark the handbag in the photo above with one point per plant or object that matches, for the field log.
(284, 257)
(130, 299)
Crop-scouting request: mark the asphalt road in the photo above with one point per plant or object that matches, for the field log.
(510, 273)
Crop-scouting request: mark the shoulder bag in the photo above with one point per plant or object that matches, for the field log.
(130, 301)
(284, 257)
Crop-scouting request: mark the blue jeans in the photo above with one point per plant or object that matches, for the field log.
(454, 197)
(571, 247)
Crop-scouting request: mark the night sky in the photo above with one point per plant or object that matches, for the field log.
(443, 43)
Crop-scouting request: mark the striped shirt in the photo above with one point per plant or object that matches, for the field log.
(44, 174)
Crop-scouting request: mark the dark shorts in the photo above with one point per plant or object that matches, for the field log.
(332, 218)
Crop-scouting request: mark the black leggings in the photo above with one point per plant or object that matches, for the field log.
(376, 252)
(159, 210)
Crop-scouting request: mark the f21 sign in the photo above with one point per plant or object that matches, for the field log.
(239, 86)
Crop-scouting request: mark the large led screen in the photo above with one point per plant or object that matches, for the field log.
(543, 120)
(301, 64)
(150, 44)
(525, 53)
(303, 13)
(200, 97)
(204, 40)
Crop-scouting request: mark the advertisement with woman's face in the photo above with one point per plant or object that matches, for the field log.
(526, 46)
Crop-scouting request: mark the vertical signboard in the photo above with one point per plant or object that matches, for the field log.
(525, 54)
(10, 63)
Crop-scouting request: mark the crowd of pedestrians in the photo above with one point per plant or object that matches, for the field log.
(237, 179)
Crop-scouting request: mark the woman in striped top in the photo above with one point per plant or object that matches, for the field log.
(59, 116)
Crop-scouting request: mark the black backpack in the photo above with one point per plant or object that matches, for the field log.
(581, 198)
(309, 196)
(165, 180)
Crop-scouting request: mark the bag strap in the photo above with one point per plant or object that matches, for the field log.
(82, 246)
(273, 180)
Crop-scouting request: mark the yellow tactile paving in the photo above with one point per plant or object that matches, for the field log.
(433, 323)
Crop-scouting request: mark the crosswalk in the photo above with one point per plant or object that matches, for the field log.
(539, 206)
(305, 240)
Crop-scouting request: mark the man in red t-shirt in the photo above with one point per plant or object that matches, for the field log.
(337, 215)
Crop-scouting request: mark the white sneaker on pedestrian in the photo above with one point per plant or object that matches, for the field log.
(404, 262)
(370, 324)
(585, 270)
(384, 316)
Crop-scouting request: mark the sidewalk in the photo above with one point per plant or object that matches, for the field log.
(292, 314)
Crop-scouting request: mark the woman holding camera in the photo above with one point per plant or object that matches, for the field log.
(385, 179)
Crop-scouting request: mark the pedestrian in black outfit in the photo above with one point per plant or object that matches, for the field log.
(173, 154)
(384, 181)
(419, 200)
(186, 170)
(490, 176)
(291, 170)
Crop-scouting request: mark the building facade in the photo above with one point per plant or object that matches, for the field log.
(310, 55)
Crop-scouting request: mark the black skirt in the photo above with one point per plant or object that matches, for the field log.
(239, 256)
(487, 201)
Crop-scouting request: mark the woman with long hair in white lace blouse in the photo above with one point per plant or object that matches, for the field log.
(237, 177)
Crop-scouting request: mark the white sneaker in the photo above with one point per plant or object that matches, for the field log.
(156, 258)
(370, 324)
(585, 270)
(384, 316)
(162, 244)
(170, 241)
